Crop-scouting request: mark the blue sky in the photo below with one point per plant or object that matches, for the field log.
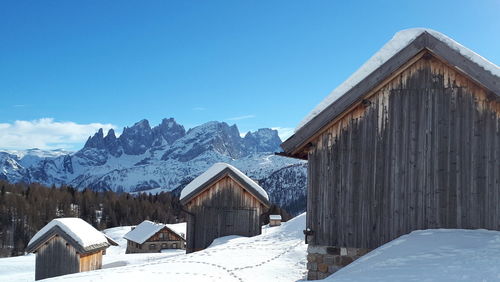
(70, 67)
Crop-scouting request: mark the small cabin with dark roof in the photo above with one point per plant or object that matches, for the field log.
(151, 237)
(410, 141)
(222, 201)
(67, 245)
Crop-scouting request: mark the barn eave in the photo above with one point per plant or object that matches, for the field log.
(215, 178)
(58, 231)
(297, 146)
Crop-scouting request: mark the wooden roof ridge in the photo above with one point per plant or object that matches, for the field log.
(424, 42)
(216, 177)
(58, 231)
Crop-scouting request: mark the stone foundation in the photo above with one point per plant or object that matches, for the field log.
(322, 261)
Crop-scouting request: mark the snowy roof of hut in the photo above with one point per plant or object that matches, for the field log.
(145, 230)
(275, 217)
(402, 47)
(83, 236)
(214, 173)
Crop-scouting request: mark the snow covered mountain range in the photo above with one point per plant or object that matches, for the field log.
(162, 158)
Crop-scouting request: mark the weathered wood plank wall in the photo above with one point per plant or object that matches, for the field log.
(91, 261)
(56, 258)
(225, 208)
(422, 152)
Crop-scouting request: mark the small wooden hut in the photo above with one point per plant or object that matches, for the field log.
(150, 237)
(222, 201)
(67, 245)
(274, 220)
(410, 141)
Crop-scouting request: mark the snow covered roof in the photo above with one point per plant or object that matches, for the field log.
(111, 241)
(179, 228)
(404, 44)
(275, 217)
(77, 230)
(391, 48)
(145, 230)
(214, 173)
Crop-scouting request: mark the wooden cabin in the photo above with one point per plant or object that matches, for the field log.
(222, 201)
(67, 245)
(150, 237)
(274, 220)
(411, 141)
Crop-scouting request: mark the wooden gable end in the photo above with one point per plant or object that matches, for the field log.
(425, 75)
(420, 150)
(225, 192)
(299, 143)
(168, 235)
(224, 208)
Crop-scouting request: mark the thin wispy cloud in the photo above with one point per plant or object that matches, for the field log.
(241, 117)
(46, 133)
(19, 106)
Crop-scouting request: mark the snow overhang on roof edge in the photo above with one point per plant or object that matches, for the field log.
(404, 45)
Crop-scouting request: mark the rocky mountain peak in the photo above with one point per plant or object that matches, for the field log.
(111, 134)
(166, 157)
(168, 130)
(135, 140)
(262, 140)
(144, 123)
(223, 139)
(96, 141)
(178, 144)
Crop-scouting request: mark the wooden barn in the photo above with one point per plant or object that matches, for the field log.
(150, 237)
(410, 141)
(222, 201)
(67, 245)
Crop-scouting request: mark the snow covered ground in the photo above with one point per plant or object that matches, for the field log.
(279, 254)
(430, 255)
(20, 268)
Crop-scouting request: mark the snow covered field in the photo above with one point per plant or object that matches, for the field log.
(279, 254)
(430, 255)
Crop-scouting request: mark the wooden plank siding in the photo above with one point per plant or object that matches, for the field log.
(56, 257)
(297, 145)
(91, 261)
(423, 151)
(224, 208)
(163, 239)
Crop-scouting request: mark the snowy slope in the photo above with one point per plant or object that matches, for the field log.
(277, 255)
(430, 255)
(34, 156)
(21, 268)
(10, 168)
